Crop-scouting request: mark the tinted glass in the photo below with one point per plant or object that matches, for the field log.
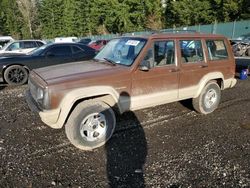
(60, 50)
(191, 51)
(39, 43)
(216, 49)
(29, 44)
(76, 49)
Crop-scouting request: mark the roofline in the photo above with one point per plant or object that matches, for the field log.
(176, 35)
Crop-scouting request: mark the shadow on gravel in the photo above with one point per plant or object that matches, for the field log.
(127, 152)
(187, 104)
(2, 87)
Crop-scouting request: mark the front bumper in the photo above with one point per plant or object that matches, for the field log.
(49, 117)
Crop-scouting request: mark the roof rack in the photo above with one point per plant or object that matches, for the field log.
(174, 31)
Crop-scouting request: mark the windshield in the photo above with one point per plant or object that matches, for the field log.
(122, 51)
(39, 50)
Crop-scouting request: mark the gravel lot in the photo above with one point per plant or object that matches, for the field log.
(164, 146)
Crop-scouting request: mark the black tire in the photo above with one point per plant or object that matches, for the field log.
(76, 124)
(209, 98)
(16, 75)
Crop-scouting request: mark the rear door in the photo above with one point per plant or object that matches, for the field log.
(219, 57)
(159, 84)
(193, 66)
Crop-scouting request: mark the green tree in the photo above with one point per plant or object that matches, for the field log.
(50, 14)
(11, 18)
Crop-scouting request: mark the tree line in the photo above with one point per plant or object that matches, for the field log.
(52, 18)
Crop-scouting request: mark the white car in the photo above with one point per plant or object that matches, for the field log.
(21, 46)
(4, 40)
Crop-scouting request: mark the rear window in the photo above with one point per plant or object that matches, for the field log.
(216, 50)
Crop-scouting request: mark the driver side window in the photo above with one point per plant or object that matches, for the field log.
(162, 54)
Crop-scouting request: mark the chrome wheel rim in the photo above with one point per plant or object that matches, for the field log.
(210, 98)
(16, 75)
(93, 127)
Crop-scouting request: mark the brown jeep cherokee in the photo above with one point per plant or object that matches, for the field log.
(131, 73)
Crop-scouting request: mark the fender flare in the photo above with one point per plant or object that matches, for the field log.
(208, 77)
(73, 96)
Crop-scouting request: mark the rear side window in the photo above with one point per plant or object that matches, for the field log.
(216, 49)
(29, 44)
(76, 49)
(39, 43)
(191, 51)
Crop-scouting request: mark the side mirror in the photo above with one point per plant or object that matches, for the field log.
(145, 66)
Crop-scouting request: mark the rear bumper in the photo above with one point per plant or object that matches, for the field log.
(49, 117)
(229, 83)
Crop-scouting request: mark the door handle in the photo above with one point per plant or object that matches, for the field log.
(173, 70)
(203, 66)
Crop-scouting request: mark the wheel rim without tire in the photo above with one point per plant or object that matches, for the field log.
(16, 75)
(93, 127)
(210, 98)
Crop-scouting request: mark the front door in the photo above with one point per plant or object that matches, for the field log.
(159, 83)
(58, 55)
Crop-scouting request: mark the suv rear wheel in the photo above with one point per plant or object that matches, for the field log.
(209, 98)
(90, 125)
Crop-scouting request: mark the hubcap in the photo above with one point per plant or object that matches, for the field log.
(93, 127)
(210, 98)
(16, 75)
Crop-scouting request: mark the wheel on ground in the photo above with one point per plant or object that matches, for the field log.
(209, 98)
(90, 125)
(16, 75)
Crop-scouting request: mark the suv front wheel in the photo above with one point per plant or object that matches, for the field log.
(90, 125)
(209, 98)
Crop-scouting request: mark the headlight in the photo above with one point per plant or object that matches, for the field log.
(40, 94)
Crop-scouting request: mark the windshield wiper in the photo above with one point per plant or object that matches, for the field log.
(110, 61)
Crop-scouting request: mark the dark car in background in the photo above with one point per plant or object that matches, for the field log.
(14, 70)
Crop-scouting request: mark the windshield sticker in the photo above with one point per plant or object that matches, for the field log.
(132, 42)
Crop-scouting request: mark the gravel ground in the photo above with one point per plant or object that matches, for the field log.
(164, 146)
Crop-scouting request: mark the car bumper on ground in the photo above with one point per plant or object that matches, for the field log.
(49, 117)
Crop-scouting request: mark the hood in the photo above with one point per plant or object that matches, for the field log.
(59, 73)
(6, 56)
